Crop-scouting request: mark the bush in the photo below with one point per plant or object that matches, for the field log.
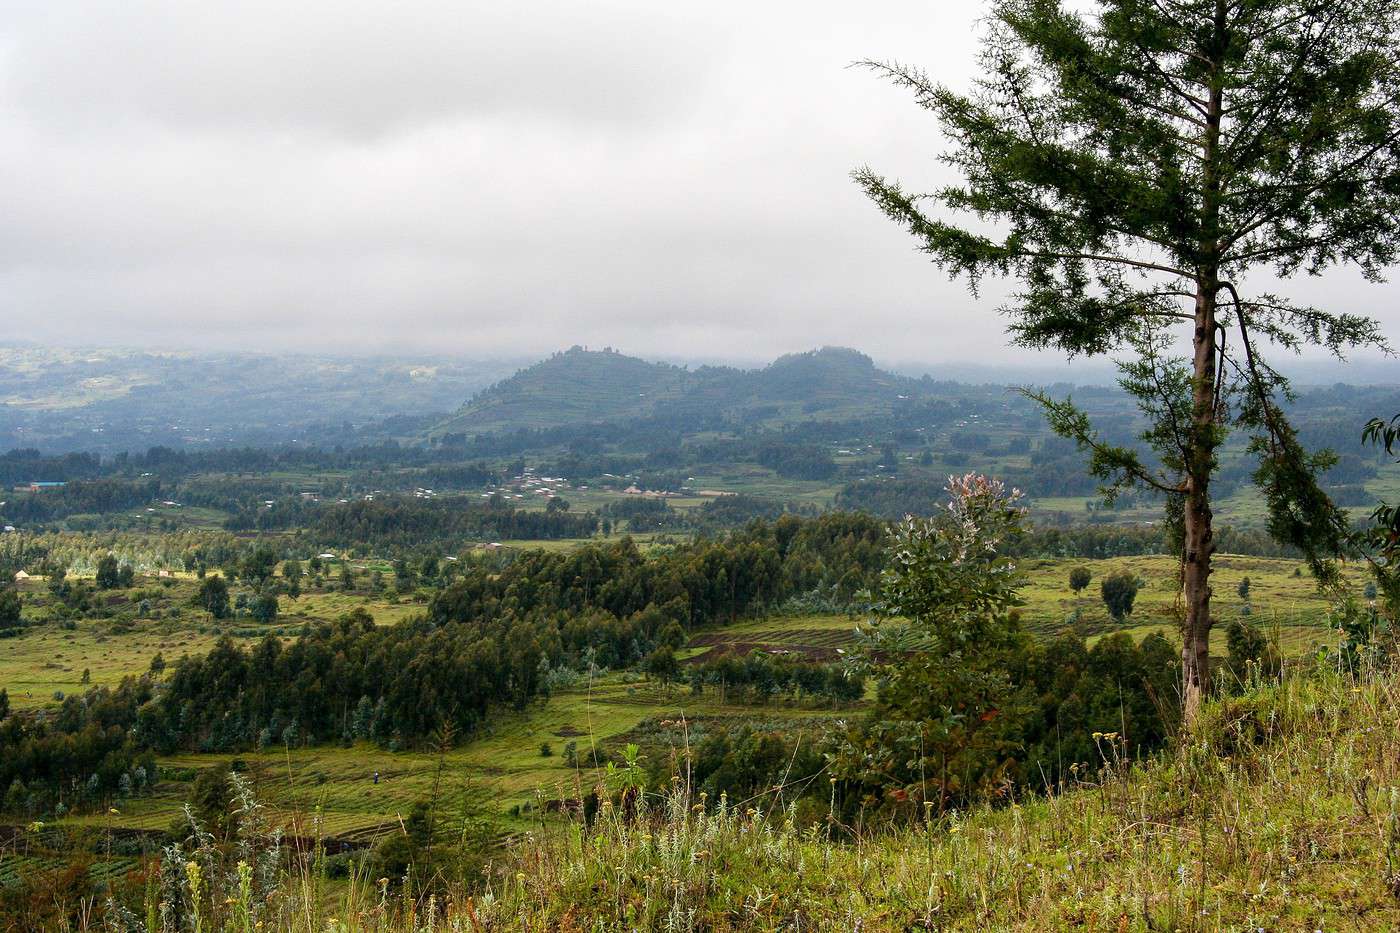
(213, 596)
(662, 665)
(1247, 644)
(1119, 593)
(108, 573)
(264, 607)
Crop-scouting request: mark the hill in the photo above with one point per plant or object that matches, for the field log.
(575, 385)
(594, 386)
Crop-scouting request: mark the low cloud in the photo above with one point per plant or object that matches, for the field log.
(476, 178)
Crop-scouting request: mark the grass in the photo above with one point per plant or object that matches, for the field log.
(1280, 811)
(1279, 600)
(47, 659)
(51, 657)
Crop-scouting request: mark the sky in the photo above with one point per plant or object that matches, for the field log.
(471, 178)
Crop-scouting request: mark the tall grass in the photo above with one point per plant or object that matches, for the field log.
(1282, 812)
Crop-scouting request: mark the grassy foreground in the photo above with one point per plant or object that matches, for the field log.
(1281, 813)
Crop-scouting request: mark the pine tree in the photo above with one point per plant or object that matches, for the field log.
(1132, 168)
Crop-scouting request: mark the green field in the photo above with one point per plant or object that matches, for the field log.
(52, 657)
(1278, 599)
(331, 789)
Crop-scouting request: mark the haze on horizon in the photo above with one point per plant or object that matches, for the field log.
(484, 180)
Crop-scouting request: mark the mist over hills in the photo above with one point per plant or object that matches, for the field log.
(114, 399)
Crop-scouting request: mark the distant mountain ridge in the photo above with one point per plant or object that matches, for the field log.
(580, 386)
(113, 399)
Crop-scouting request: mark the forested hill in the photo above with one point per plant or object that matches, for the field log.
(586, 386)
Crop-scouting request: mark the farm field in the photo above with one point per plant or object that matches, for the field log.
(49, 659)
(331, 789)
(1278, 599)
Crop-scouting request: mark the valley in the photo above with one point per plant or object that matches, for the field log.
(597, 567)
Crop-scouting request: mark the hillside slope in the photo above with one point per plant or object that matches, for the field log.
(1282, 814)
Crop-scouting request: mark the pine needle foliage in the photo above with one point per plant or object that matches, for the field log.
(1135, 168)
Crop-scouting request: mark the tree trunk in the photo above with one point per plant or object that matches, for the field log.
(1199, 541)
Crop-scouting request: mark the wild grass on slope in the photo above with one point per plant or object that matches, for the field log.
(1282, 814)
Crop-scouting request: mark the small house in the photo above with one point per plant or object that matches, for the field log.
(21, 576)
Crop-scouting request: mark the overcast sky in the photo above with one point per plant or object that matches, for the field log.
(479, 178)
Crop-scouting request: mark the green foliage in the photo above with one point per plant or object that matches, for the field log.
(1119, 591)
(211, 799)
(1250, 652)
(1365, 638)
(83, 754)
(258, 566)
(759, 677)
(1079, 579)
(108, 573)
(402, 522)
(264, 607)
(212, 596)
(949, 575)
(968, 706)
(747, 763)
(662, 665)
(1380, 543)
(1272, 758)
(291, 577)
(11, 608)
(798, 461)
